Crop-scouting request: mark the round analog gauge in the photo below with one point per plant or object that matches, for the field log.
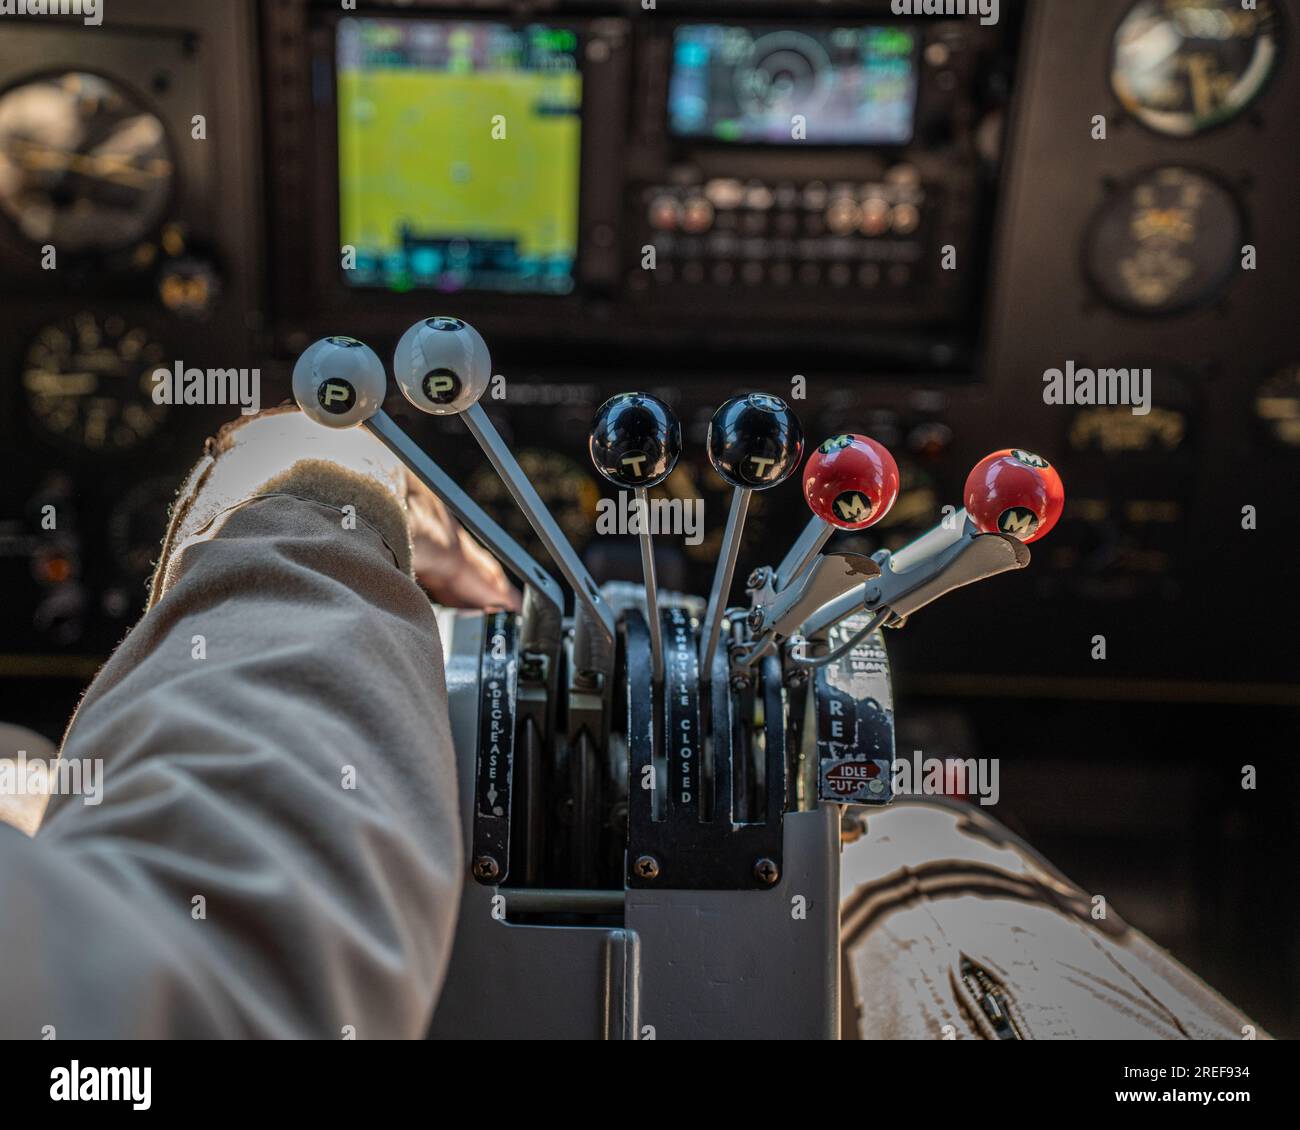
(137, 524)
(84, 166)
(89, 382)
(1165, 242)
(784, 69)
(1182, 66)
(1277, 406)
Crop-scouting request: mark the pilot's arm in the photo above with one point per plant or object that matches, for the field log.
(273, 844)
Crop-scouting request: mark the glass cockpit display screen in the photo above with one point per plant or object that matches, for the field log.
(459, 151)
(832, 86)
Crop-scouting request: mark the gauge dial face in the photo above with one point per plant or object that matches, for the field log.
(1164, 243)
(137, 524)
(784, 69)
(1183, 66)
(84, 166)
(1277, 406)
(89, 383)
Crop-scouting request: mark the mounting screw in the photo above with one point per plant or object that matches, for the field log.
(755, 619)
(758, 578)
(486, 868)
(739, 682)
(766, 871)
(852, 828)
(646, 866)
(532, 667)
(587, 680)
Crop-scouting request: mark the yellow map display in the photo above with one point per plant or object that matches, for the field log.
(473, 155)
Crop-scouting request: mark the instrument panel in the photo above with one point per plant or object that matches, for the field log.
(466, 208)
(1166, 241)
(1181, 68)
(732, 83)
(899, 225)
(88, 386)
(84, 164)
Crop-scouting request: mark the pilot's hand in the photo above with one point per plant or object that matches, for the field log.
(451, 565)
(281, 451)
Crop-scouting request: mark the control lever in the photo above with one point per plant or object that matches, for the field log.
(936, 540)
(775, 615)
(755, 443)
(443, 367)
(340, 382)
(973, 557)
(1013, 497)
(635, 443)
(850, 483)
(1015, 492)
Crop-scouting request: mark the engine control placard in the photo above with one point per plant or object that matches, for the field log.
(682, 710)
(854, 709)
(496, 747)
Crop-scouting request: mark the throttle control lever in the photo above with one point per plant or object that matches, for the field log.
(635, 443)
(755, 442)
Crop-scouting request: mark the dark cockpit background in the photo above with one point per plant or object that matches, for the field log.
(1107, 185)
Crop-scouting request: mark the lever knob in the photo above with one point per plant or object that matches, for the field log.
(851, 482)
(1015, 492)
(755, 441)
(339, 382)
(635, 440)
(442, 365)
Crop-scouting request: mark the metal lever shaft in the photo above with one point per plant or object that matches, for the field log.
(473, 517)
(722, 576)
(973, 557)
(642, 497)
(806, 547)
(539, 517)
(777, 614)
